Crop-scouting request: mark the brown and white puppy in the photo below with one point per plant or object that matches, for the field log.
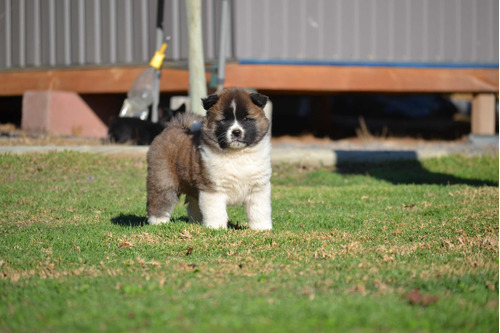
(218, 160)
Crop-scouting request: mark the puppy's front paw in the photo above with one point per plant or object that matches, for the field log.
(221, 224)
(261, 226)
(158, 220)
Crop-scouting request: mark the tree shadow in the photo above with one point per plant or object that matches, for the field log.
(397, 167)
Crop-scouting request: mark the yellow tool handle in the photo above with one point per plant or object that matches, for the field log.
(157, 59)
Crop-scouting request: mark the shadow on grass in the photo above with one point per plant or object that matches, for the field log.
(129, 220)
(397, 167)
(236, 226)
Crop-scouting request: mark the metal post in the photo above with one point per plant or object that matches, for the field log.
(197, 83)
(159, 41)
(224, 31)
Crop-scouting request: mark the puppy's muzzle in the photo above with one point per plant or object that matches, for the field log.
(236, 133)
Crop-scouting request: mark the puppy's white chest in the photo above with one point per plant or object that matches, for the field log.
(238, 175)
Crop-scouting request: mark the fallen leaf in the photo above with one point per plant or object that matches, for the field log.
(387, 258)
(359, 288)
(448, 244)
(409, 207)
(126, 245)
(194, 267)
(416, 298)
(153, 263)
(140, 261)
(490, 285)
(185, 234)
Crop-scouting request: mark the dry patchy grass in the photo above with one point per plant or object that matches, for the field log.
(349, 251)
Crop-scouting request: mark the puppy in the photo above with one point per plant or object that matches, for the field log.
(138, 131)
(218, 160)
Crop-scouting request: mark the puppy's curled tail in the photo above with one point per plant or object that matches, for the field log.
(188, 122)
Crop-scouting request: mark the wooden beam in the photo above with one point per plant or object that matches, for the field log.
(361, 79)
(87, 80)
(322, 79)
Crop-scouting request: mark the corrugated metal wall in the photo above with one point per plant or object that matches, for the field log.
(62, 33)
(54, 33)
(405, 31)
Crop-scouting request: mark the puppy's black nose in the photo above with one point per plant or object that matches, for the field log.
(236, 133)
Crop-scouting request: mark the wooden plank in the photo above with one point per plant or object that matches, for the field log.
(322, 79)
(361, 79)
(483, 119)
(87, 81)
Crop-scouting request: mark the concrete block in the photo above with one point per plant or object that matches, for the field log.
(60, 113)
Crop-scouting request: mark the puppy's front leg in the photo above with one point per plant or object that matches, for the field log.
(213, 209)
(258, 209)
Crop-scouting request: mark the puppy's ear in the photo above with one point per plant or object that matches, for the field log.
(259, 99)
(209, 101)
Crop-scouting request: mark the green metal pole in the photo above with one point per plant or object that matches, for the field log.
(197, 84)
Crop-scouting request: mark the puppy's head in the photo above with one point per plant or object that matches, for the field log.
(235, 118)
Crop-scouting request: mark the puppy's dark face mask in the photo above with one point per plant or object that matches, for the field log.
(235, 119)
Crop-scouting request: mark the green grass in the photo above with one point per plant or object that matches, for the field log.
(348, 248)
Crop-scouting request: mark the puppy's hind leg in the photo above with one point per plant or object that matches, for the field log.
(160, 205)
(193, 210)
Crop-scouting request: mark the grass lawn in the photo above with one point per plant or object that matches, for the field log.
(401, 246)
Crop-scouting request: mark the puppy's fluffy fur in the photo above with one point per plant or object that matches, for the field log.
(218, 160)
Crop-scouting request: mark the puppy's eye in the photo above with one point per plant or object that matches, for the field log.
(247, 119)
